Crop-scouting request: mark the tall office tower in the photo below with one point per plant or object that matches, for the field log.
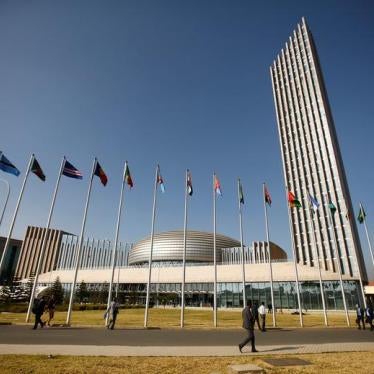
(312, 161)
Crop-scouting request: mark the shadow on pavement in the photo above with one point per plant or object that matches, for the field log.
(279, 349)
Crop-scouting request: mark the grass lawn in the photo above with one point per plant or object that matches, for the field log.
(193, 318)
(344, 363)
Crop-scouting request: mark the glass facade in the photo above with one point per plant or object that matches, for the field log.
(285, 296)
(230, 295)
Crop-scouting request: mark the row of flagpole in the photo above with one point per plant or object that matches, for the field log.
(69, 170)
(314, 205)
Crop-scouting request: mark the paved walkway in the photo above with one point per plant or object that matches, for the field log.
(221, 351)
(175, 342)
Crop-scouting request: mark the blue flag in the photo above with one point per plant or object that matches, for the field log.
(7, 166)
(314, 202)
(71, 171)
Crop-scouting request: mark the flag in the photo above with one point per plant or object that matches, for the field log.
(217, 186)
(160, 181)
(101, 174)
(294, 203)
(267, 197)
(332, 208)
(70, 171)
(189, 183)
(37, 170)
(241, 195)
(361, 215)
(314, 202)
(127, 177)
(7, 166)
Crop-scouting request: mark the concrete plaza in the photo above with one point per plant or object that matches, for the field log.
(174, 342)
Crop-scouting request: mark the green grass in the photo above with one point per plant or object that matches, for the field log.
(194, 318)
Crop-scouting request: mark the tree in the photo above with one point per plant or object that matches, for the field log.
(82, 292)
(57, 291)
(19, 292)
(103, 296)
(27, 289)
(5, 293)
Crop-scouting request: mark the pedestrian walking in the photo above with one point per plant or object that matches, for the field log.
(255, 314)
(370, 316)
(262, 313)
(360, 317)
(38, 310)
(249, 325)
(113, 310)
(51, 306)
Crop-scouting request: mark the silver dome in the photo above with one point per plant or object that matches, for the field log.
(168, 246)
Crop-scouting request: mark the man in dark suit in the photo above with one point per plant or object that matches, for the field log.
(370, 316)
(248, 324)
(38, 310)
(360, 317)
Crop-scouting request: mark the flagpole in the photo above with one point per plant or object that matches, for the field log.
(367, 235)
(214, 254)
(44, 243)
(338, 265)
(118, 272)
(319, 267)
(269, 255)
(15, 212)
(151, 249)
(295, 262)
(184, 250)
(7, 197)
(358, 263)
(80, 244)
(114, 251)
(241, 244)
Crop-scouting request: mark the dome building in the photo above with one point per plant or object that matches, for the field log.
(132, 272)
(168, 247)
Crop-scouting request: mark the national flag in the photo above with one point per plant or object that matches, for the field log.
(7, 166)
(70, 171)
(37, 170)
(189, 183)
(267, 197)
(241, 195)
(314, 202)
(361, 215)
(294, 203)
(160, 181)
(127, 176)
(101, 174)
(217, 186)
(332, 208)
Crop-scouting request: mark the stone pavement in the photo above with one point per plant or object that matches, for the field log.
(203, 351)
(178, 342)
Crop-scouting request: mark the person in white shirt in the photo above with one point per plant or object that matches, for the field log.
(262, 313)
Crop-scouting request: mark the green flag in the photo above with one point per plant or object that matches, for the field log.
(361, 215)
(294, 203)
(332, 208)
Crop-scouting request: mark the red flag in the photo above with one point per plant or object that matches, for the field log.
(267, 197)
(101, 174)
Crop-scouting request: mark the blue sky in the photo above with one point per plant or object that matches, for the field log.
(183, 84)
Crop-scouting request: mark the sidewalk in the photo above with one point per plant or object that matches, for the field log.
(220, 351)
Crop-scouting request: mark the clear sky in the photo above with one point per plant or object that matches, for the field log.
(184, 84)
